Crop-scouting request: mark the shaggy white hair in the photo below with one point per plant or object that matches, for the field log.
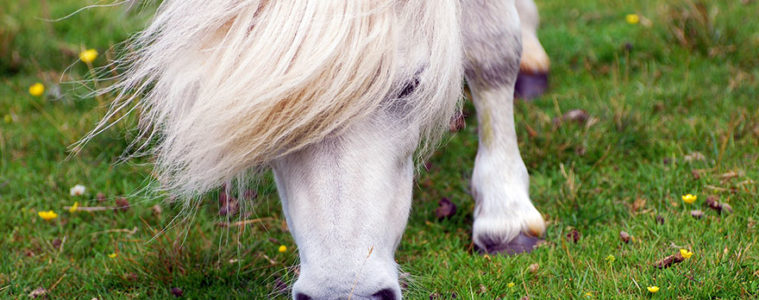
(335, 95)
(228, 86)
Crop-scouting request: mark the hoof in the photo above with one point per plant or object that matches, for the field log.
(520, 244)
(530, 85)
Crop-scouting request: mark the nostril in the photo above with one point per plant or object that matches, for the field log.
(385, 294)
(301, 296)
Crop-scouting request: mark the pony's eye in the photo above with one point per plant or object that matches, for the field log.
(409, 88)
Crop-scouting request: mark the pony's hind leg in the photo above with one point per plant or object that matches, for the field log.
(504, 218)
(534, 66)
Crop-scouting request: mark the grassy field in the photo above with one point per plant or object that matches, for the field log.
(672, 109)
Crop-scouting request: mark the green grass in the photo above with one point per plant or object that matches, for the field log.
(683, 81)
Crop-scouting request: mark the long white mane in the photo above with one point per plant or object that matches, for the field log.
(227, 86)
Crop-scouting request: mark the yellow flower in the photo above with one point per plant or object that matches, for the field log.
(47, 215)
(8, 119)
(113, 255)
(282, 248)
(610, 258)
(689, 198)
(632, 18)
(653, 289)
(74, 207)
(685, 253)
(511, 284)
(36, 89)
(588, 295)
(88, 55)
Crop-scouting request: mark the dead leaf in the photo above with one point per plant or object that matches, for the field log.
(530, 131)
(91, 208)
(729, 175)
(57, 243)
(660, 219)
(280, 287)
(669, 261)
(580, 151)
(457, 123)
(445, 209)
(157, 210)
(716, 188)
(403, 279)
(577, 115)
(726, 208)
(624, 236)
(249, 195)
(592, 121)
(573, 236)
(713, 203)
(248, 222)
(533, 268)
(638, 204)
(177, 292)
(694, 156)
(659, 107)
(483, 289)
(38, 292)
(228, 205)
(122, 204)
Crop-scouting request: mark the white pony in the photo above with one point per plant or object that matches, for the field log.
(337, 96)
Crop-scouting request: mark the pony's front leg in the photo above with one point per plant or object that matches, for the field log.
(505, 219)
(346, 200)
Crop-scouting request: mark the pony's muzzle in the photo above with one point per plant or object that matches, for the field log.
(376, 283)
(384, 294)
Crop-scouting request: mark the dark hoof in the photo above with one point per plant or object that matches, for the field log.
(530, 86)
(520, 244)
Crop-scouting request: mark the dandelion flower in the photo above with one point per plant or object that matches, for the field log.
(610, 258)
(36, 89)
(653, 289)
(74, 207)
(685, 253)
(77, 190)
(689, 199)
(588, 295)
(511, 284)
(282, 248)
(632, 18)
(88, 55)
(113, 255)
(47, 215)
